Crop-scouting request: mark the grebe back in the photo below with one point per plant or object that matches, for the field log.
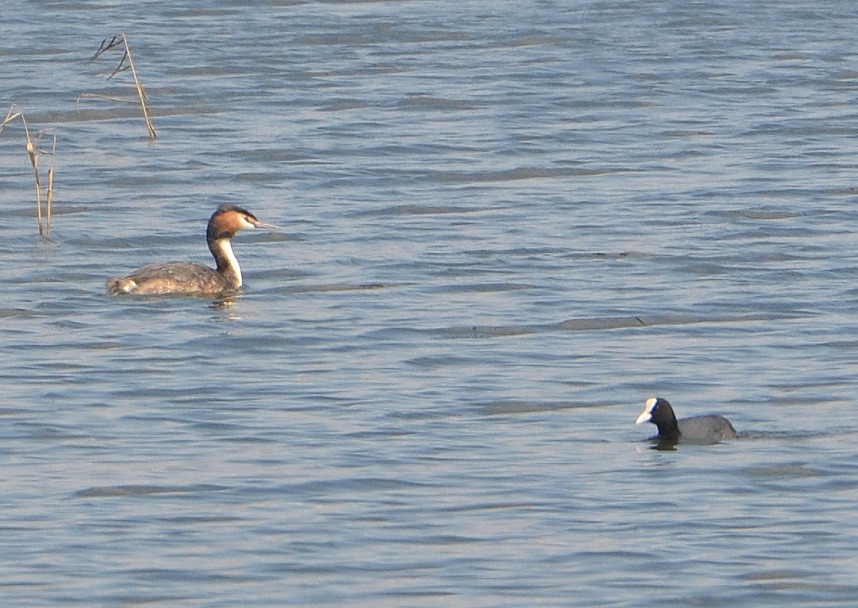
(188, 278)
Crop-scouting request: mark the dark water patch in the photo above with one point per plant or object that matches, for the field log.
(532, 40)
(523, 505)
(760, 214)
(432, 362)
(17, 313)
(686, 133)
(801, 586)
(484, 288)
(202, 519)
(137, 491)
(781, 471)
(846, 345)
(521, 173)
(413, 209)
(83, 115)
(483, 331)
(570, 325)
(506, 407)
(180, 575)
(592, 324)
(279, 275)
(343, 105)
(334, 287)
(12, 411)
(794, 435)
(435, 103)
(49, 432)
(346, 485)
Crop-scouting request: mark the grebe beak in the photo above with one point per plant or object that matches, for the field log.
(259, 224)
(255, 223)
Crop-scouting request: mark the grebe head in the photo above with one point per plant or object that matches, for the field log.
(229, 219)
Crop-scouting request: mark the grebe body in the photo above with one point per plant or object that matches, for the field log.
(187, 278)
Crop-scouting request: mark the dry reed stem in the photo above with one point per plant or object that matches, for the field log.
(10, 116)
(33, 153)
(49, 194)
(126, 63)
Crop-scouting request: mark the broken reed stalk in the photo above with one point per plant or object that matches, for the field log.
(49, 193)
(33, 153)
(126, 63)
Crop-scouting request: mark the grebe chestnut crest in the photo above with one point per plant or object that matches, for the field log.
(187, 278)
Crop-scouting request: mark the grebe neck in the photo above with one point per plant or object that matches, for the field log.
(227, 265)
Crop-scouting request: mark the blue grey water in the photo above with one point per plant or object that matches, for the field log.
(503, 225)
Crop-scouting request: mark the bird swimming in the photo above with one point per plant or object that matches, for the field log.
(706, 429)
(188, 278)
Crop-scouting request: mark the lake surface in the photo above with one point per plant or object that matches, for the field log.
(502, 227)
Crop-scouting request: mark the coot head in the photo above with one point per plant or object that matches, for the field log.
(710, 428)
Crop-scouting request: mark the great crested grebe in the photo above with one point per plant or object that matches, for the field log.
(187, 278)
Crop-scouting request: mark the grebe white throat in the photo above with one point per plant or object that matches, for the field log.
(232, 267)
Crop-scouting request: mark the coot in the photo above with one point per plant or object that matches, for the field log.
(706, 429)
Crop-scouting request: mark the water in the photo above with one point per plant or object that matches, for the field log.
(504, 225)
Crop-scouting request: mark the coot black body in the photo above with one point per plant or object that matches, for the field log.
(707, 429)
